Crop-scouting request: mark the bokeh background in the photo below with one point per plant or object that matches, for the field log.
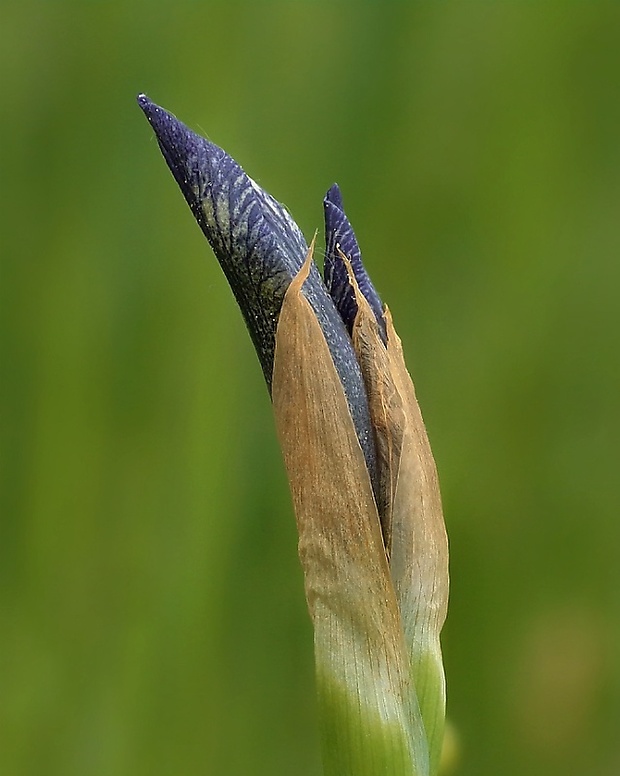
(152, 618)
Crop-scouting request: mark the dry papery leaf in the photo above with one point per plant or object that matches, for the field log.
(368, 707)
(410, 508)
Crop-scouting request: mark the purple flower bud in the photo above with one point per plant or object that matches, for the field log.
(260, 248)
(339, 236)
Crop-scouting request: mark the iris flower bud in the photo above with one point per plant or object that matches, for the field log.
(372, 541)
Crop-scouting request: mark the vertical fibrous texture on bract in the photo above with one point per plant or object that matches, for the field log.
(371, 721)
(372, 541)
(410, 511)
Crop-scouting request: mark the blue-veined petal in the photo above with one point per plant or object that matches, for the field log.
(340, 237)
(260, 248)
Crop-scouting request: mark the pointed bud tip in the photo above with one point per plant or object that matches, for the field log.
(333, 196)
(148, 106)
(181, 148)
(340, 237)
(157, 117)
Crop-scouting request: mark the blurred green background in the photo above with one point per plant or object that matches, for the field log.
(152, 618)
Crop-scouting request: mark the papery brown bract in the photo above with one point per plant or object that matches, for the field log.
(371, 720)
(411, 512)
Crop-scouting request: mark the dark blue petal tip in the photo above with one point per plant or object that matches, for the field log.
(339, 236)
(257, 243)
